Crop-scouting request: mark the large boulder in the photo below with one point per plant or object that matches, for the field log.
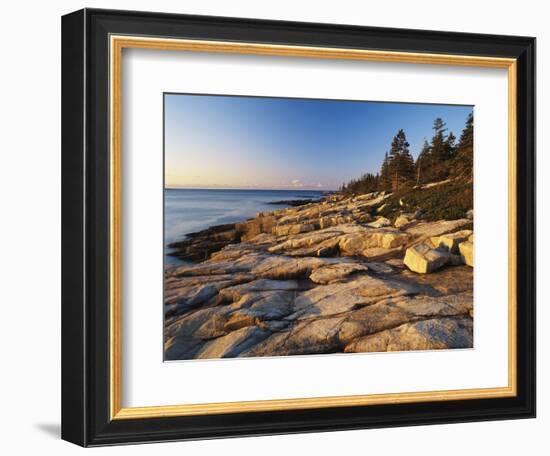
(451, 241)
(262, 223)
(359, 243)
(393, 239)
(428, 229)
(467, 252)
(423, 259)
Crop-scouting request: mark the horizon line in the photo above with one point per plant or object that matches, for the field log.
(222, 187)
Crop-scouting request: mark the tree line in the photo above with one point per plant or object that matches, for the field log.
(441, 158)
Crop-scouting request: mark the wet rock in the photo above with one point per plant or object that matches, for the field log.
(198, 246)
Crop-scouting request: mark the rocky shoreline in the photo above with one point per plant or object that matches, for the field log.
(327, 276)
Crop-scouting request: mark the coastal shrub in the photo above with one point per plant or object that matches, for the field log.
(448, 201)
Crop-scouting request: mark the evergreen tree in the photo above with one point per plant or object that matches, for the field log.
(450, 146)
(467, 136)
(407, 167)
(438, 160)
(423, 164)
(438, 148)
(401, 163)
(385, 178)
(465, 149)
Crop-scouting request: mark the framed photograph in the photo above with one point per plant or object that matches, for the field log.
(278, 227)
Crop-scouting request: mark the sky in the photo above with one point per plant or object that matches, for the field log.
(288, 143)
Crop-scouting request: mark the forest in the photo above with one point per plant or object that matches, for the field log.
(440, 159)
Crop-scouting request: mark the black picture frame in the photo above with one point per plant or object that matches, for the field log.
(85, 228)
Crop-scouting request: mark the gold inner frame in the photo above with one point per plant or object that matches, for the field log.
(117, 44)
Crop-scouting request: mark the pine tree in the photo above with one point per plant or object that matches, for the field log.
(385, 178)
(423, 164)
(467, 136)
(407, 167)
(438, 160)
(401, 163)
(465, 149)
(438, 140)
(450, 146)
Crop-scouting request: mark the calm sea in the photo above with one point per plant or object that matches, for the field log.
(190, 210)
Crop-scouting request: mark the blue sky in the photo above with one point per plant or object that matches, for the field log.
(257, 142)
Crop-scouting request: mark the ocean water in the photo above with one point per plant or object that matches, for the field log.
(190, 210)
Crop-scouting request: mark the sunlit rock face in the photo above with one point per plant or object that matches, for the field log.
(331, 276)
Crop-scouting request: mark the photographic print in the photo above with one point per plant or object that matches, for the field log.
(314, 226)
